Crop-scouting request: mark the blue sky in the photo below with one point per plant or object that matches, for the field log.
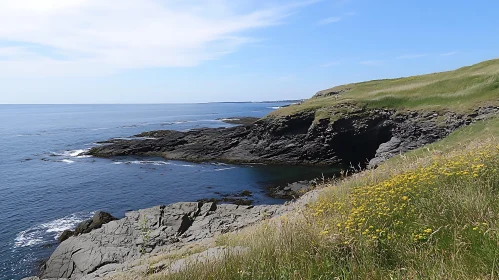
(169, 51)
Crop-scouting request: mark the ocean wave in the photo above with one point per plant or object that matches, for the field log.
(67, 161)
(28, 135)
(134, 138)
(153, 162)
(49, 231)
(73, 153)
(274, 107)
(223, 169)
(143, 162)
(229, 119)
(172, 123)
(100, 128)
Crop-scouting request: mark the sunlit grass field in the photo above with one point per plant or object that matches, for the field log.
(430, 214)
(462, 90)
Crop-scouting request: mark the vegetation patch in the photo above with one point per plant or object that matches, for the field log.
(432, 213)
(461, 90)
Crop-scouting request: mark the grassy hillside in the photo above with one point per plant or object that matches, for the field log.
(430, 214)
(459, 90)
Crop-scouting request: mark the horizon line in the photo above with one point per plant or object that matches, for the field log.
(162, 103)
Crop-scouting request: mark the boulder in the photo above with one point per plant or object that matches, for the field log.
(100, 218)
(293, 190)
(65, 235)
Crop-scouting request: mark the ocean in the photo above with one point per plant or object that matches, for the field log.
(46, 186)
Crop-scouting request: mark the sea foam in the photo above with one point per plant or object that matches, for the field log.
(49, 231)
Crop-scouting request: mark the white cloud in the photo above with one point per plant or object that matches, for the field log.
(336, 19)
(448, 54)
(411, 56)
(95, 37)
(330, 20)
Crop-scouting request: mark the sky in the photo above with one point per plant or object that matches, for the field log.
(186, 51)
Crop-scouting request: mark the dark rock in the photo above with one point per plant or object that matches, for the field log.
(240, 120)
(356, 136)
(237, 201)
(234, 198)
(100, 218)
(65, 235)
(293, 190)
(83, 227)
(246, 193)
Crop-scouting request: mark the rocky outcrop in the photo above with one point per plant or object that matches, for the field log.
(351, 136)
(240, 120)
(100, 218)
(146, 231)
(293, 190)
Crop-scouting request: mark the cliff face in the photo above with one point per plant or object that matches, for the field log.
(356, 136)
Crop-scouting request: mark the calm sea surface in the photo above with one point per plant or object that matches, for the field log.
(45, 187)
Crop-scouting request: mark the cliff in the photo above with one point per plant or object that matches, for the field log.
(353, 124)
(358, 124)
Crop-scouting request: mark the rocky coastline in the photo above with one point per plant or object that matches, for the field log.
(120, 245)
(356, 137)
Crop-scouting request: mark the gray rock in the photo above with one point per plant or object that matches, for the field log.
(143, 231)
(292, 190)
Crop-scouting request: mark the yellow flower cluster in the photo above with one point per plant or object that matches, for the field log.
(379, 210)
(423, 235)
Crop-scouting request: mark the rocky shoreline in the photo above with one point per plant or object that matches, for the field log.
(118, 245)
(357, 136)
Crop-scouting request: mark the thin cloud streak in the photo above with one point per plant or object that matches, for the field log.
(448, 54)
(330, 20)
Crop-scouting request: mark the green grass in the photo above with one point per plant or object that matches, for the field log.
(460, 90)
(432, 213)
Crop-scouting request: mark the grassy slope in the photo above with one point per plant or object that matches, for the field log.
(458, 90)
(430, 214)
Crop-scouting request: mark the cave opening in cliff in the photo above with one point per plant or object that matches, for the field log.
(357, 148)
